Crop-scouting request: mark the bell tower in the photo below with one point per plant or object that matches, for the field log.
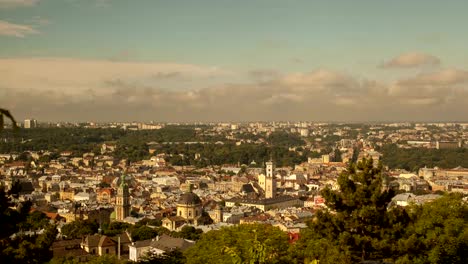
(122, 201)
(270, 181)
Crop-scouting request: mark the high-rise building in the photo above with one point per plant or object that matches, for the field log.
(30, 123)
(122, 202)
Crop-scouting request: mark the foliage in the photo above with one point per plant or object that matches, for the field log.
(438, 233)
(357, 225)
(143, 233)
(34, 221)
(132, 145)
(285, 139)
(360, 226)
(171, 257)
(188, 232)
(252, 243)
(22, 248)
(415, 158)
(11, 218)
(6, 114)
(106, 259)
(79, 229)
(114, 228)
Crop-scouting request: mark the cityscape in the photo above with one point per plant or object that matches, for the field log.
(173, 132)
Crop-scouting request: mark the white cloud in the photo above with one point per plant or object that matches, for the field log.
(75, 89)
(318, 79)
(411, 59)
(77, 75)
(16, 30)
(17, 3)
(442, 77)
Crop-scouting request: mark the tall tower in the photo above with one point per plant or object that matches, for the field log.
(270, 181)
(122, 203)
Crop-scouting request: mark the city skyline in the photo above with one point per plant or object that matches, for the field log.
(186, 61)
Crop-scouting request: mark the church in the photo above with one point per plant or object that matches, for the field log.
(122, 201)
(189, 210)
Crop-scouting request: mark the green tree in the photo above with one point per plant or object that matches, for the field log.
(337, 155)
(171, 257)
(143, 233)
(106, 259)
(357, 225)
(79, 229)
(189, 232)
(22, 248)
(438, 232)
(253, 243)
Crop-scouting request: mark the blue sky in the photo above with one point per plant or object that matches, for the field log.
(237, 38)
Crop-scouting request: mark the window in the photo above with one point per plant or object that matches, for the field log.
(107, 251)
(180, 213)
(190, 213)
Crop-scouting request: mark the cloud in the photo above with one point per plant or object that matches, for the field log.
(16, 30)
(263, 75)
(318, 79)
(100, 90)
(438, 78)
(411, 59)
(75, 75)
(17, 3)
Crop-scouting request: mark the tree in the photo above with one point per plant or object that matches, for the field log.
(22, 248)
(6, 114)
(189, 232)
(170, 257)
(252, 243)
(143, 233)
(114, 228)
(357, 225)
(438, 232)
(337, 155)
(79, 229)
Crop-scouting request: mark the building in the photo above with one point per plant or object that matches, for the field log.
(104, 245)
(189, 207)
(69, 248)
(270, 181)
(189, 211)
(217, 214)
(99, 245)
(267, 203)
(122, 201)
(30, 123)
(158, 246)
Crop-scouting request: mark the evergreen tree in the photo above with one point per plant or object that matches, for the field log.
(357, 225)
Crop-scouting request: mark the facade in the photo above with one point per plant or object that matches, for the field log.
(189, 207)
(266, 204)
(217, 214)
(104, 245)
(30, 123)
(157, 246)
(122, 201)
(270, 181)
(189, 211)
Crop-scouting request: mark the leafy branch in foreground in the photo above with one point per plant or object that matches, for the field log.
(5, 113)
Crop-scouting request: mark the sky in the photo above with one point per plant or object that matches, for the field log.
(239, 60)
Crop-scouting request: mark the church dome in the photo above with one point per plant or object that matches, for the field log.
(189, 199)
